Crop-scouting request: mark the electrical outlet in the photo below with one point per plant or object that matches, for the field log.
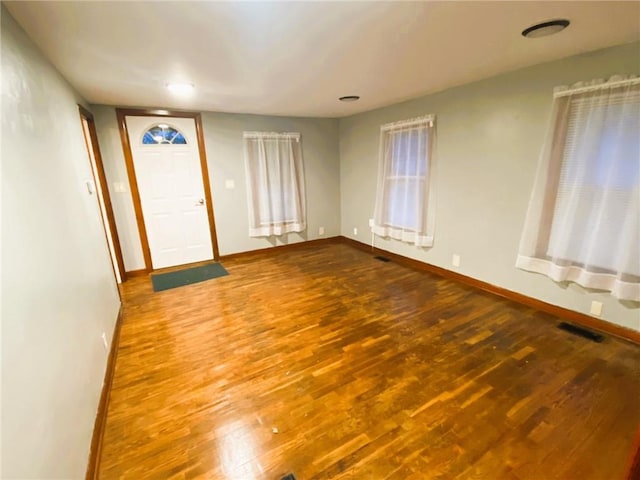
(229, 184)
(371, 222)
(104, 341)
(118, 187)
(596, 308)
(321, 231)
(455, 261)
(355, 231)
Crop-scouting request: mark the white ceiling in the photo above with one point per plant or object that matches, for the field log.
(287, 58)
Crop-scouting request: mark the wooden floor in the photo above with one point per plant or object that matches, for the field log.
(329, 364)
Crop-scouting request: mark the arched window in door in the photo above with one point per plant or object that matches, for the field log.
(163, 134)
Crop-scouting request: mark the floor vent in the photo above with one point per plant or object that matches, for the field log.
(289, 476)
(382, 259)
(582, 332)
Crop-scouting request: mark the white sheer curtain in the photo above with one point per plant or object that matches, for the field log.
(583, 222)
(405, 196)
(275, 183)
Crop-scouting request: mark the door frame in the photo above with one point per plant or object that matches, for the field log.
(133, 182)
(106, 198)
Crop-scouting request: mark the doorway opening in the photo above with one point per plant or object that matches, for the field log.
(99, 186)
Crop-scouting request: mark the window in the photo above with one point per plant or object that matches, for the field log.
(405, 195)
(583, 223)
(163, 134)
(275, 183)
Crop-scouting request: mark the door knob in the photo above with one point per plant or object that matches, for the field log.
(201, 201)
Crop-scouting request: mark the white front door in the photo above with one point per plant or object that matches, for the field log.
(169, 179)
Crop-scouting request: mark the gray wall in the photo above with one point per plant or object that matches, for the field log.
(489, 136)
(223, 142)
(58, 286)
(115, 170)
(223, 138)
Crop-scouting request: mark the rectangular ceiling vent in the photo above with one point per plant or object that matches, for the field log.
(581, 332)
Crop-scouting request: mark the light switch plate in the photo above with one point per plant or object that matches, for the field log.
(230, 184)
(118, 187)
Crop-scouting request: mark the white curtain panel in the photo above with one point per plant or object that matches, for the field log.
(583, 222)
(275, 183)
(405, 196)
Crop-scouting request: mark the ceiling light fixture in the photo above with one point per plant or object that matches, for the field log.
(349, 98)
(180, 88)
(545, 28)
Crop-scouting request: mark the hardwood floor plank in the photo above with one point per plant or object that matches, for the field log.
(324, 362)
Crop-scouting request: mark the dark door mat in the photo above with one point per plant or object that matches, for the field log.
(166, 281)
(582, 332)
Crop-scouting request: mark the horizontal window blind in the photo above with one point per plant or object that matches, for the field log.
(583, 223)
